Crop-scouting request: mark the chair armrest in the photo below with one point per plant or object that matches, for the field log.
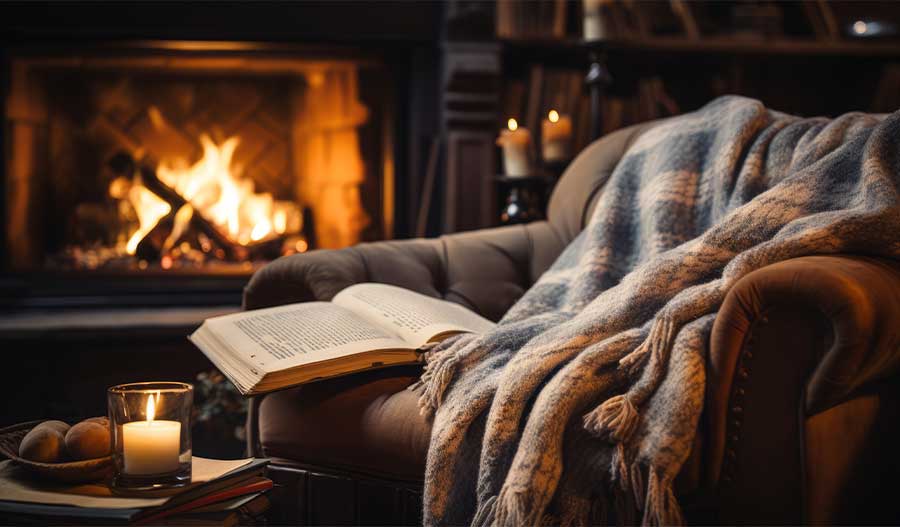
(859, 299)
(485, 270)
(792, 340)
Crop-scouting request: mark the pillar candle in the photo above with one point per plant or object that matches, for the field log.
(556, 137)
(151, 446)
(595, 25)
(516, 144)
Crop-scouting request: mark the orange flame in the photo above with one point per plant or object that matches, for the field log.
(213, 188)
(151, 409)
(150, 208)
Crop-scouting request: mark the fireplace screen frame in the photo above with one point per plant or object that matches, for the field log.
(30, 64)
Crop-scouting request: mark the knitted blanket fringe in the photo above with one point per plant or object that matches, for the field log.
(581, 405)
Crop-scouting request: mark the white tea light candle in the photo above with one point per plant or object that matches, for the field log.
(151, 446)
(556, 137)
(150, 432)
(516, 144)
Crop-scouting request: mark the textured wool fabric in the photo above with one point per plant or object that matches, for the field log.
(581, 406)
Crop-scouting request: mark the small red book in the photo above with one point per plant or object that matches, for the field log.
(251, 485)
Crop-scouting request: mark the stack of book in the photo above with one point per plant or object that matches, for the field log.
(221, 492)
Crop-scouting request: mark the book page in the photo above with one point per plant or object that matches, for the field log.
(415, 317)
(286, 336)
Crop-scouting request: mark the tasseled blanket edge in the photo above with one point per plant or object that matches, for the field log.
(439, 372)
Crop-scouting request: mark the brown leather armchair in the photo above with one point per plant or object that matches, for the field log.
(801, 418)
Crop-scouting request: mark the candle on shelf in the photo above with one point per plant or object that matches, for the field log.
(556, 137)
(151, 447)
(596, 23)
(516, 144)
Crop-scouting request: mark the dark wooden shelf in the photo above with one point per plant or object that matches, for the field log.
(476, 98)
(544, 178)
(712, 45)
(753, 46)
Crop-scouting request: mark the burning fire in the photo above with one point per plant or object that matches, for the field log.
(214, 190)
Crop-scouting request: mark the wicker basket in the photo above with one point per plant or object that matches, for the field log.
(72, 472)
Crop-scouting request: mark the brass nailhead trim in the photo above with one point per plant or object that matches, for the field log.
(738, 392)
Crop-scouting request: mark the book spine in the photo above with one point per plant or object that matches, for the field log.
(258, 486)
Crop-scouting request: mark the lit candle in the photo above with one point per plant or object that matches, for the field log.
(516, 144)
(151, 447)
(556, 137)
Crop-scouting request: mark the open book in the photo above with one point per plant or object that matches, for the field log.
(364, 326)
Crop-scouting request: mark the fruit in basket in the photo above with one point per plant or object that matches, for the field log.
(88, 439)
(44, 443)
(62, 426)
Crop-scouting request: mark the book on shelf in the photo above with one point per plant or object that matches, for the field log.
(215, 488)
(530, 18)
(365, 326)
(533, 109)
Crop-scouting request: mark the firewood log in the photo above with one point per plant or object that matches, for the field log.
(176, 201)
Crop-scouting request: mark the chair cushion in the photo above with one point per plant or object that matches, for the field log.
(367, 423)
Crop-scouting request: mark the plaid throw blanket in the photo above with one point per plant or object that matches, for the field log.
(583, 402)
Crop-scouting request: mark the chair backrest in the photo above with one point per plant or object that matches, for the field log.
(575, 196)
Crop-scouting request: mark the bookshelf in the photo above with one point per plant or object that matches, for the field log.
(595, 56)
(808, 63)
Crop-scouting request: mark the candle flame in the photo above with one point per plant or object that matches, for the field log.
(151, 409)
(553, 116)
(512, 124)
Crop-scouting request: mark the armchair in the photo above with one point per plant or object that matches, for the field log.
(801, 414)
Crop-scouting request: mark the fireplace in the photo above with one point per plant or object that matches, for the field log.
(174, 159)
(313, 121)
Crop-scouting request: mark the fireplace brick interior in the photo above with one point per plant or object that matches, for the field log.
(310, 161)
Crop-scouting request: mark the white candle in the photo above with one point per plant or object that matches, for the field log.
(516, 144)
(151, 447)
(595, 25)
(556, 137)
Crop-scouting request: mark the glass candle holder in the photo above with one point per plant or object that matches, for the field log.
(150, 427)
